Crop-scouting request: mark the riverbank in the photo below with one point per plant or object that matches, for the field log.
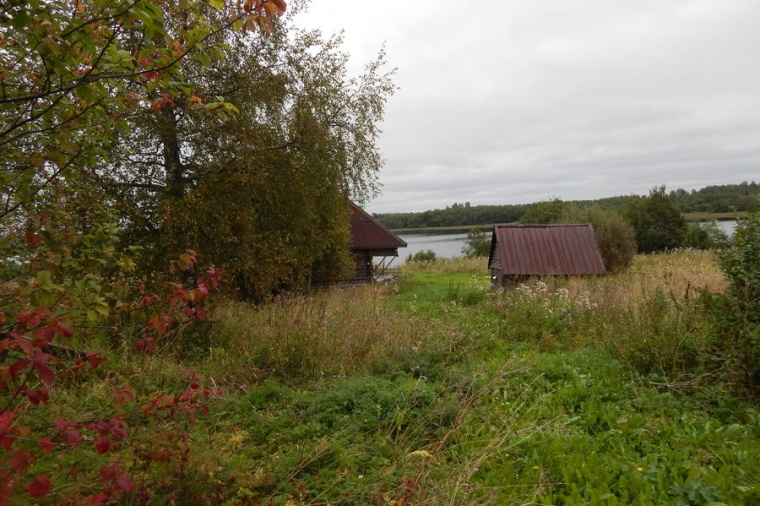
(699, 217)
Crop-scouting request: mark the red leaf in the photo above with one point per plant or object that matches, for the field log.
(25, 344)
(147, 345)
(20, 460)
(100, 498)
(61, 425)
(41, 358)
(38, 396)
(31, 237)
(6, 442)
(213, 276)
(16, 368)
(109, 472)
(40, 487)
(45, 333)
(46, 374)
(72, 437)
(123, 483)
(46, 444)
(102, 444)
(31, 318)
(64, 329)
(118, 433)
(102, 427)
(95, 359)
(123, 396)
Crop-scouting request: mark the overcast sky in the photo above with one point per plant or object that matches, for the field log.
(517, 101)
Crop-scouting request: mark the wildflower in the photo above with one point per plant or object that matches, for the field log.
(640, 469)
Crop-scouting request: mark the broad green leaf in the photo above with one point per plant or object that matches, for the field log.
(43, 278)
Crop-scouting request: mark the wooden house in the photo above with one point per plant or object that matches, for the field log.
(371, 239)
(521, 251)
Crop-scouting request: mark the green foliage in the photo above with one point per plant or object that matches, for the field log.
(657, 222)
(462, 215)
(741, 263)
(265, 199)
(614, 235)
(548, 211)
(78, 76)
(737, 313)
(422, 256)
(711, 199)
(718, 198)
(477, 243)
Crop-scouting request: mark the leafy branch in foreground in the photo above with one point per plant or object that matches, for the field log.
(31, 425)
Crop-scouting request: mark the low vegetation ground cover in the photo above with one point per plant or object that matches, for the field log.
(436, 390)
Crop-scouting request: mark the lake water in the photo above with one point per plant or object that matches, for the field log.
(449, 245)
(727, 226)
(446, 245)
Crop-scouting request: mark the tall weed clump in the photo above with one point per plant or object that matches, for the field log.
(737, 312)
(333, 333)
(649, 316)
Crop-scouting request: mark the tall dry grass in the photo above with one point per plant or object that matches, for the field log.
(459, 265)
(340, 331)
(650, 315)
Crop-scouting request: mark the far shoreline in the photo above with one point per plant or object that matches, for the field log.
(690, 217)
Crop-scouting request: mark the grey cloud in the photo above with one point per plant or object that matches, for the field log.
(518, 101)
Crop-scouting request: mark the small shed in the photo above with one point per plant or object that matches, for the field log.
(521, 251)
(370, 239)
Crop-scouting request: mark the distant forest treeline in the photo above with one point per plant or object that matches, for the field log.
(711, 199)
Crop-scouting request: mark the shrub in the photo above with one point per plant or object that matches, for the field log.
(737, 313)
(477, 244)
(741, 263)
(657, 221)
(614, 235)
(427, 255)
(705, 236)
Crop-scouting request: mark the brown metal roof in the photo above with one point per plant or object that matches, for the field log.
(369, 234)
(536, 250)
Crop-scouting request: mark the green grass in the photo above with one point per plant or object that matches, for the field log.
(437, 391)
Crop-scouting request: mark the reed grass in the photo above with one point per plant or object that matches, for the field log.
(336, 332)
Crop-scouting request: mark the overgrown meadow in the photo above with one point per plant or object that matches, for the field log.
(432, 390)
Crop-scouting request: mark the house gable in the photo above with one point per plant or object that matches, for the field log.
(370, 238)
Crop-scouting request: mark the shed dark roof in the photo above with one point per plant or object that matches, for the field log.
(537, 250)
(368, 234)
